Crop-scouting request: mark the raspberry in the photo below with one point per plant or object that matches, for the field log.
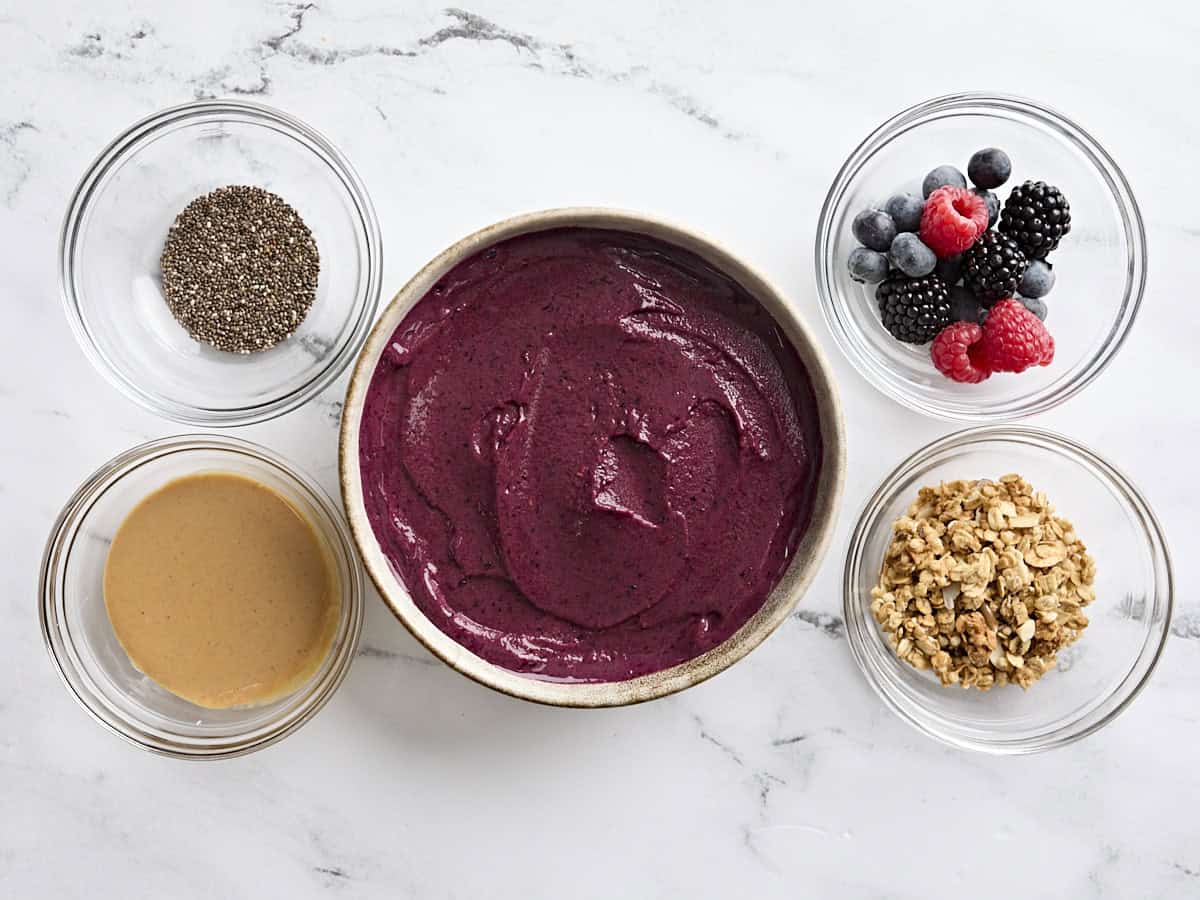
(952, 219)
(1015, 339)
(1048, 356)
(956, 353)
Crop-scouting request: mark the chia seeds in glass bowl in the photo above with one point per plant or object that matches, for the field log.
(112, 242)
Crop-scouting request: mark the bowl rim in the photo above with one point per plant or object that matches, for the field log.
(858, 621)
(115, 154)
(774, 611)
(832, 301)
(316, 694)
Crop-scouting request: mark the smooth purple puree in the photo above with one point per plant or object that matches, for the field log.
(588, 454)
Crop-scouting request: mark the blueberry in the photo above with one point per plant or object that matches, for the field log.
(989, 168)
(867, 265)
(1037, 280)
(993, 204)
(910, 256)
(949, 269)
(940, 177)
(875, 229)
(1035, 305)
(905, 210)
(964, 306)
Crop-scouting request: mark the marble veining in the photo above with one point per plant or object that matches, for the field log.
(370, 651)
(15, 157)
(828, 624)
(251, 76)
(333, 411)
(784, 777)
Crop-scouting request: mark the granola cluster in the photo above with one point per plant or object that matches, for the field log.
(983, 584)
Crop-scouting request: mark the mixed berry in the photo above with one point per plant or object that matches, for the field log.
(957, 268)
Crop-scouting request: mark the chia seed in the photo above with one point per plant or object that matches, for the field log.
(239, 269)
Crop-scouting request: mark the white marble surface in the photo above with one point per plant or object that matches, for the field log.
(782, 777)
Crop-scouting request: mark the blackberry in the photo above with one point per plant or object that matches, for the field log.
(1036, 216)
(993, 266)
(914, 310)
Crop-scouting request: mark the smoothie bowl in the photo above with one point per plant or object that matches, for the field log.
(590, 458)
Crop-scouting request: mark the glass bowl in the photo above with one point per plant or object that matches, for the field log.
(113, 236)
(81, 640)
(1100, 674)
(1100, 266)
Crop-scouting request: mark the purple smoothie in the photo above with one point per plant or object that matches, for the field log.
(588, 454)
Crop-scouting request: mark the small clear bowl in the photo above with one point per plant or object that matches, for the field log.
(81, 640)
(1100, 266)
(113, 236)
(1099, 675)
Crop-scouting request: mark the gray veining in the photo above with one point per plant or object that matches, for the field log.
(783, 777)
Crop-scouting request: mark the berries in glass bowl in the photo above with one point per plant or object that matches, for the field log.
(1099, 268)
(951, 268)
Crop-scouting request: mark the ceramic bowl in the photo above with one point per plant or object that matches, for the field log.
(779, 603)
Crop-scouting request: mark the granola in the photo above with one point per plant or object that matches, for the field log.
(982, 584)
